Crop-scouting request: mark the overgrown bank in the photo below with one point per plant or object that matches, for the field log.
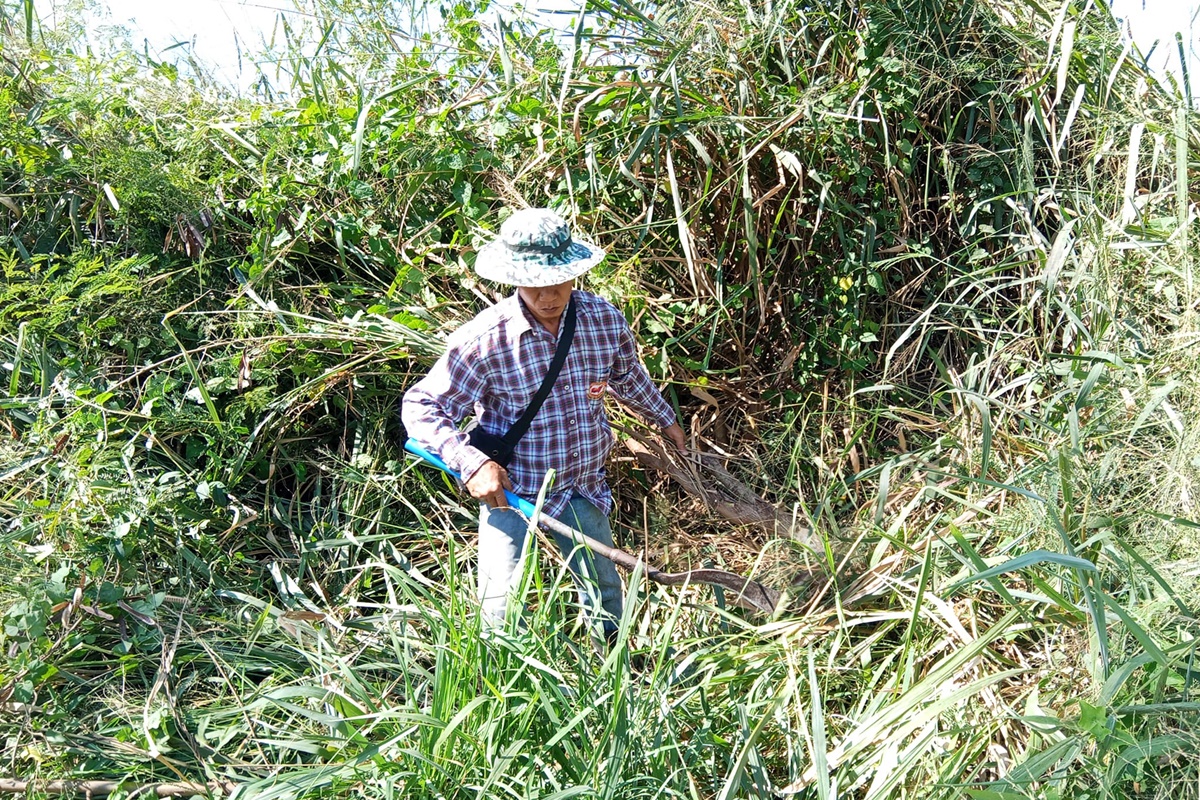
(927, 280)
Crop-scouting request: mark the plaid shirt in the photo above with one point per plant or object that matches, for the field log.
(495, 363)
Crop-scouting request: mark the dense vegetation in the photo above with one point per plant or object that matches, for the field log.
(921, 270)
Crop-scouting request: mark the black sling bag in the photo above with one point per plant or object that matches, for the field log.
(499, 448)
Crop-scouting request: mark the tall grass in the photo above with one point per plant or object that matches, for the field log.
(926, 279)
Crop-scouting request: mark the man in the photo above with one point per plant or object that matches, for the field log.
(493, 366)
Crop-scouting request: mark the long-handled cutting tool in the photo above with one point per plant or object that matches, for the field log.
(742, 591)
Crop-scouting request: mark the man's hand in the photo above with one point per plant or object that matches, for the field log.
(676, 435)
(488, 484)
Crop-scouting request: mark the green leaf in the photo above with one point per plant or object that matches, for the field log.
(1093, 719)
(1023, 562)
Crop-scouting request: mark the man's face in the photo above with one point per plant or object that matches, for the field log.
(547, 303)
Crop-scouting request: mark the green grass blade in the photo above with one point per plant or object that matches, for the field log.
(1024, 561)
(820, 753)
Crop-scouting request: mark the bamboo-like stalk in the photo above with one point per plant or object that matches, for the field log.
(14, 381)
(1183, 201)
(98, 788)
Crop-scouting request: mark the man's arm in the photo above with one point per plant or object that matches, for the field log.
(432, 409)
(434, 406)
(631, 384)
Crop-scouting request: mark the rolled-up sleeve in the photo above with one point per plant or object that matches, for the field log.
(433, 407)
(631, 384)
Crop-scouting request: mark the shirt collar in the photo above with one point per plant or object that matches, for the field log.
(521, 320)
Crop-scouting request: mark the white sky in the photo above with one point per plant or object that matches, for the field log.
(219, 30)
(218, 26)
(1158, 20)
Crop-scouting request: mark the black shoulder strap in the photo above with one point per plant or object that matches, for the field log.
(519, 427)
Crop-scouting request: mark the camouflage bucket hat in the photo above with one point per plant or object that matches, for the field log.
(535, 248)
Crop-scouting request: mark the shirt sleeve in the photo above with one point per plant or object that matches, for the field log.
(434, 406)
(631, 384)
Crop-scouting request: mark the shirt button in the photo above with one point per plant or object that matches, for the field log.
(572, 422)
(574, 455)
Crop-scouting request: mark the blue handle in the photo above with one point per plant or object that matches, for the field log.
(519, 503)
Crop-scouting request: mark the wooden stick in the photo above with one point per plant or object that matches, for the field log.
(745, 592)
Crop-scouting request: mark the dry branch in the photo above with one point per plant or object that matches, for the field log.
(704, 478)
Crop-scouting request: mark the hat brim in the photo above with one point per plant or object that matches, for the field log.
(494, 263)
